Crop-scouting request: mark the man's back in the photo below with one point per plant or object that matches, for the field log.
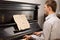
(51, 27)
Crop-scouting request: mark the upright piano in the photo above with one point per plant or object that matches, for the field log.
(8, 27)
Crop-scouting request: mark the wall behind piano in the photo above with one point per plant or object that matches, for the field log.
(58, 6)
(40, 12)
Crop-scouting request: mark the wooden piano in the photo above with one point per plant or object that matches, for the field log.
(8, 28)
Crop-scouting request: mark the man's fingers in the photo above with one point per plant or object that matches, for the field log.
(25, 36)
(35, 33)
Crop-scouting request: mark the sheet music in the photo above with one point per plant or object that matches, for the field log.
(21, 21)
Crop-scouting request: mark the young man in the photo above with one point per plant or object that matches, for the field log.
(51, 24)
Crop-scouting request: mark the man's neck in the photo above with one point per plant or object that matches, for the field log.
(51, 12)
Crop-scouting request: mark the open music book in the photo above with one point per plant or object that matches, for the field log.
(21, 21)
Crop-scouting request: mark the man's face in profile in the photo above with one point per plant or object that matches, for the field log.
(46, 9)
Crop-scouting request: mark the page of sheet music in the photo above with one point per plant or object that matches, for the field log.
(21, 21)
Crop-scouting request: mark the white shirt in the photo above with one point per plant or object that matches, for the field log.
(51, 27)
(51, 18)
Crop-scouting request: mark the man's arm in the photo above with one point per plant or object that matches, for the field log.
(35, 33)
(38, 33)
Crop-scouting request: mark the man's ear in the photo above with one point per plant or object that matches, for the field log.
(50, 8)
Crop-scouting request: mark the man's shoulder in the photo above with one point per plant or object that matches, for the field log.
(52, 20)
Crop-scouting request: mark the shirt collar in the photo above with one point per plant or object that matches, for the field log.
(50, 16)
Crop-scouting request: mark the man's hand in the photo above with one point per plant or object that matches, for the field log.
(27, 36)
(37, 33)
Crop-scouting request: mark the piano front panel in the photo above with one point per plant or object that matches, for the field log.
(7, 24)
